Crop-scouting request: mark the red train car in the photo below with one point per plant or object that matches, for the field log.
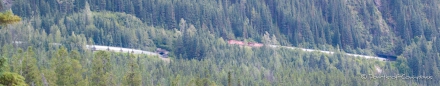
(250, 44)
(235, 42)
(253, 44)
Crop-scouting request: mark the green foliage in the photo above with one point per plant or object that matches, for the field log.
(132, 77)
(49, 77)
(30, 71)
(3, 64)
(12, 79)
(8, 18)
(62, 66)
(15, 63)
(101, 68)
(229, 79)
(195, 32)
(175, 81)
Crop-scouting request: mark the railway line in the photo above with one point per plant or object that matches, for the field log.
(128, 50)
(137, 51)
(330, 52)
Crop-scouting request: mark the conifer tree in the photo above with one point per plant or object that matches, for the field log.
(10, 78)
(31, 72)
(8, 18)
(100, 68)
(132, 77)
(62, 65)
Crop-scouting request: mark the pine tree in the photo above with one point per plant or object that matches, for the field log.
(9, 78)
(101, 68)
(266, 38)
(3, 65)
(8, 18)
(175, 81)
(31, 72)
(49, 77)
(132, 77)
(17, 62)
(229, 79)
(63, 69)
(12, 79)
(274, 40)
(76, 73)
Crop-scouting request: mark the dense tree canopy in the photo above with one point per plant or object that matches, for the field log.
(8, 18)
(48, 46)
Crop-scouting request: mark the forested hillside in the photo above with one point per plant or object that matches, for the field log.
(47, 47)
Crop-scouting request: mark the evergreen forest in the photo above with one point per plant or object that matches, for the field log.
(43, 42)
